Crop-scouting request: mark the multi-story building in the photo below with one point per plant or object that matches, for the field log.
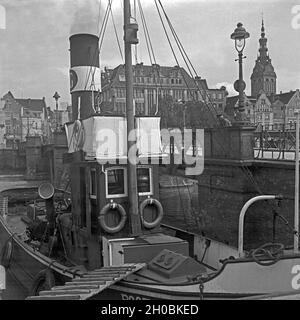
(269, 111)
(152, 84)
(22, 117)
(262, 110)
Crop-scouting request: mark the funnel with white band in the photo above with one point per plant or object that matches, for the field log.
(85, 75)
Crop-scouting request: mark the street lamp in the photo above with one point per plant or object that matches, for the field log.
(239, 36)
(56, 97)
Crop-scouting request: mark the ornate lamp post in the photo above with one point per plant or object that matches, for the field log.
(239, 36)
(56, 97)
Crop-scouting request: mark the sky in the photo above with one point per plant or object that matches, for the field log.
(34, 40)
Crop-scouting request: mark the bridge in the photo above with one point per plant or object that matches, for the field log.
(276, 142)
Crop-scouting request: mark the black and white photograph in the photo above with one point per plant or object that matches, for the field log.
(149, 151)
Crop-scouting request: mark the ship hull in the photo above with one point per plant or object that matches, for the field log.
(236, 278)
(26, 263)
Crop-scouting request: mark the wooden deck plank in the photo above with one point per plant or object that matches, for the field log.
(89, 285)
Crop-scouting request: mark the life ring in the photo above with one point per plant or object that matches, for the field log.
(44, 280)
(6, 253)
(160, 213)
(105, 210)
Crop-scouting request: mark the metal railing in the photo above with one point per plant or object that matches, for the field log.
(276, 142)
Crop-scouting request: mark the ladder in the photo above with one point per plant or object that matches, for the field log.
(89, 284)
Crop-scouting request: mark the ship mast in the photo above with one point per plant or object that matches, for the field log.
(129, 39)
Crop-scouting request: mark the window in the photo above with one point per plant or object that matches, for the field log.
(139, 108)
(116, 182)
(122, 77)
(144, 181)
(93, 184)
(120, 107)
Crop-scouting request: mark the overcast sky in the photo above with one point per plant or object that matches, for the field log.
(34, 56)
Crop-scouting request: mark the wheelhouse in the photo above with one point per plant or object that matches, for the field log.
(98, 161)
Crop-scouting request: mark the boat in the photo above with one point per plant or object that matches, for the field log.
(105, 240)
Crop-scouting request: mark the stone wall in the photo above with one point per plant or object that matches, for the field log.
(225, 187)
(12, 160)
(232, 176)
(36, 164)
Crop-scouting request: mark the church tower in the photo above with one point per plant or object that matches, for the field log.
(263, 76)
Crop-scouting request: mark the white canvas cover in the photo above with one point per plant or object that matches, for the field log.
(106, 137)
(148, 136)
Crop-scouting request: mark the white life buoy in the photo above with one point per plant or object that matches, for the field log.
(160, 213)
(105, 210)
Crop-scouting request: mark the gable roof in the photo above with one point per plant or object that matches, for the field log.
(284, 97)
(8, 95)
(32, 104)
(37, 105)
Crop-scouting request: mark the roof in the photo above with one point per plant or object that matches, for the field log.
(7, 95)
(164, 72)
(35, 105)
(32, 104)
(284, 97)
(230, 103)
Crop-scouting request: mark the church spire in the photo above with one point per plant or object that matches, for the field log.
(262, 26)
(263, 50)
(263, 76)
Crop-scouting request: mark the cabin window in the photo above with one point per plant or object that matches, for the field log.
(144, 181)
(116, 183)
(93, 184)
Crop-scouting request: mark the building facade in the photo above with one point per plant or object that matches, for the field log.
(262, 110)
(21, 117)
(151, 85)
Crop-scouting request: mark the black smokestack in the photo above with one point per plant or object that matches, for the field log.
(85, 74)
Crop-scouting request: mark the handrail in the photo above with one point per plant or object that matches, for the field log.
(242, 216)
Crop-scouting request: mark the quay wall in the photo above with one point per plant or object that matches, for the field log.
(230, 178)
(225, 188)
(12, 160)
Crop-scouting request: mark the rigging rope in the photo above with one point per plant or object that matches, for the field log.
(135, 46)
(116, 34)
(190, 66)
(101, 37)
(146, 34)
(99, 16)
(187, 61)
(151, 54)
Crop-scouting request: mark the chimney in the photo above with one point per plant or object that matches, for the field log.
(85, 74)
